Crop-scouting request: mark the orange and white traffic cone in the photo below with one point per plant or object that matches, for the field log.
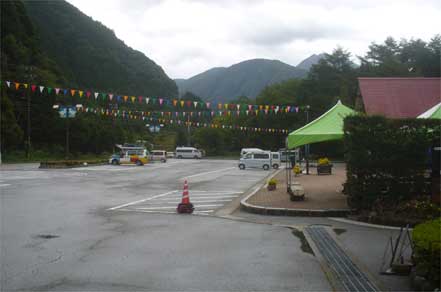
(185, 206)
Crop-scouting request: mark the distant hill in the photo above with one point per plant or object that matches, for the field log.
(90, 54)
(311, 60)
(247, 78)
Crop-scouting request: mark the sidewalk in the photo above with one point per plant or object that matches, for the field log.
(323, 194)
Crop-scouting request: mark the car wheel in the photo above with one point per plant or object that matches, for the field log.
(266, 167)
(138, 162)
(163, 160)
(179, 157)
(115, 162)
(196, 157)
(275, 166)
(242, 166)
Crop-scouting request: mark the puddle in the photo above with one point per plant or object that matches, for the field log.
(304, 243)
(339, 231)
(47, 236)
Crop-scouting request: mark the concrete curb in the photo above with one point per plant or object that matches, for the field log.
(251, 208)
(359, 223)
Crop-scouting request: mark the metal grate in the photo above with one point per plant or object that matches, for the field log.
(350, 276)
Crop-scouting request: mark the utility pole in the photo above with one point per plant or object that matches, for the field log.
(67, 133)
(188, 130)
(307, 145)
(30, 75)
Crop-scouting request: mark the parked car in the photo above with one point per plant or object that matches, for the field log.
(275, 160)
(158, 155)
(259, 159)
(188, 152)
(247, 150)
(130, 155)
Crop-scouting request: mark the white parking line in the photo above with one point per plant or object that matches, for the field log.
(209, 172)
(140, 201)
(174, 207)
(198, 197)
(4, 185)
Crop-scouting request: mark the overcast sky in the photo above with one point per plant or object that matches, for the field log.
(187, 37)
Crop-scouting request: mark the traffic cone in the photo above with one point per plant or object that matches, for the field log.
(185, 206)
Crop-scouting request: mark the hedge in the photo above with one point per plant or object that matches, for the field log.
(387, 159)
(427, 250)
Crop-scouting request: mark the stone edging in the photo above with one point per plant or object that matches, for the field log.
(251, 208)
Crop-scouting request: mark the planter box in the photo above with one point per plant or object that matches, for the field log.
(324, 169)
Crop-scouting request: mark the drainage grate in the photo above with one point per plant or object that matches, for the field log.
(345, 270)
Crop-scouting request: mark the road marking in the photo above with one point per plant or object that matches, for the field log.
(198, 197)
(4, 185)
(209, 172)
(174, 207)
(140, 201)
(192, 201)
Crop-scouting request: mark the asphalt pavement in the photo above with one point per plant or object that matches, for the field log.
(105, 228)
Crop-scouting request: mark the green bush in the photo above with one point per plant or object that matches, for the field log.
(387, 159)
(427, 250)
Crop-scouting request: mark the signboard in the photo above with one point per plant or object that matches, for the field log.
(67, 112)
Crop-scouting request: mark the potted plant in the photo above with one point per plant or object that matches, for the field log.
(272, 184)
(324, 166)
(297, 170)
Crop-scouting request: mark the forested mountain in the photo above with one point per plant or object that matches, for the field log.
(310, 61)
(69, 50)
(90, 54)
(247, 78)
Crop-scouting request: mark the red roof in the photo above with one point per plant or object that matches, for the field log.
(399, 97)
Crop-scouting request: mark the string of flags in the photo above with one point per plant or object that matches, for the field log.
(168, 119)
(159, 101)
(183, 114)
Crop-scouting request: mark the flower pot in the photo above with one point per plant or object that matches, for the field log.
(324, 169)
(271, 187)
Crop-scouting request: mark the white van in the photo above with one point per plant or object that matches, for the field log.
(158, 155)
(188, 152)
(248, 150)
(275, 159)
(259, 159)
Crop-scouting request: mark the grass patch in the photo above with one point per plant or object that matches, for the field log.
(305, 247)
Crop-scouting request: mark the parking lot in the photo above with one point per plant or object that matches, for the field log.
(111, 227)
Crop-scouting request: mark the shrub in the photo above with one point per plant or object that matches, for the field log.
(272, 182)
(386, 159)
(427, 250)
(323, 161)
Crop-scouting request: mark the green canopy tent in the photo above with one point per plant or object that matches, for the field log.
(327, 127)
(432, 113)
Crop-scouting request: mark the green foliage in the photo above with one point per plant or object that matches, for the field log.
(213, 141)
(406, 59)
(427, 249)
(92, 56)
(386, 159)
(272, 182)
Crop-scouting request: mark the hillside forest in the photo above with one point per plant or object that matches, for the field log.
(36, 52)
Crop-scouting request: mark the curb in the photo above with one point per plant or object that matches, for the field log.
(365, 224)
(251, 208)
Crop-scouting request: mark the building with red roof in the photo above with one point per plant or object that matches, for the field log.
(399, 97)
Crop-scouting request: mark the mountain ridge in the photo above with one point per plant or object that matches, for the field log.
(246, 78)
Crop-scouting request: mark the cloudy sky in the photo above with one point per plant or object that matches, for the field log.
(187, 37)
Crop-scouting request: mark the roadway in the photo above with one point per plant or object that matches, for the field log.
(113, 228)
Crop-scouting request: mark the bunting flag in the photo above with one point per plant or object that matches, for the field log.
(49, 90)
(134, 116)
(162, 101)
